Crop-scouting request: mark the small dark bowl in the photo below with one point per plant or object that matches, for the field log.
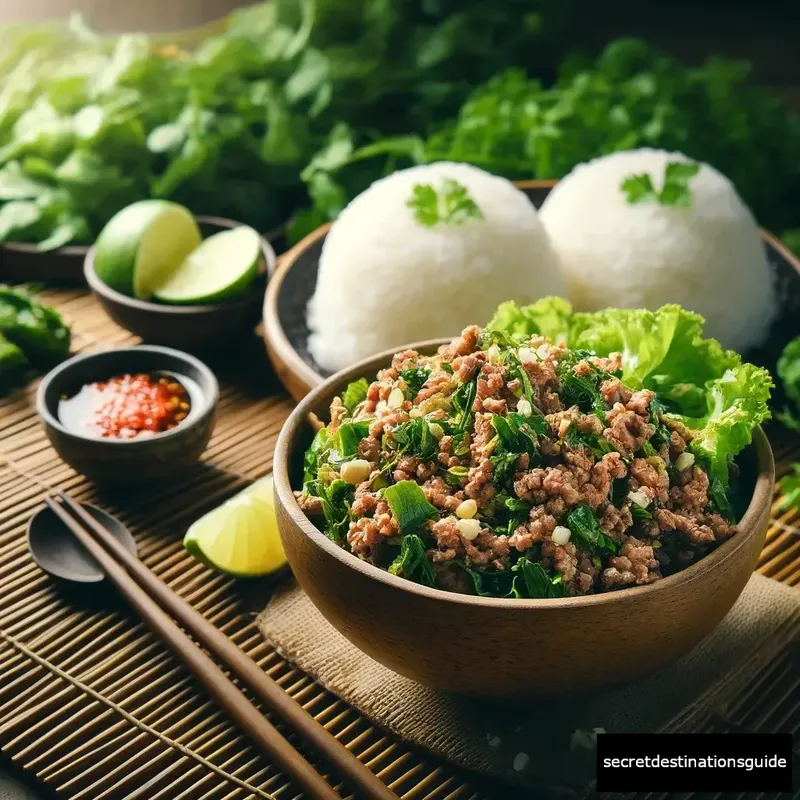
(194, 327)
(133, 460)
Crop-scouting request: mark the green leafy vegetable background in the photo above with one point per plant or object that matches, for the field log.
(292, 107)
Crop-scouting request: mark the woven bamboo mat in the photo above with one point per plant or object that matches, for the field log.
(93, 705)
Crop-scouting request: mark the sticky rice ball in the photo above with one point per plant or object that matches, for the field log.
(709, 257)
(387, 279)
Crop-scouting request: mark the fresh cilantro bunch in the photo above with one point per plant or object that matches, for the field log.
(630, 96)
(674, 192)
(450, 205)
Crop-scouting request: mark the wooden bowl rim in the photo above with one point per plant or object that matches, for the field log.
(210, 397)
(97, 286)
(761, 499)
(281, 349)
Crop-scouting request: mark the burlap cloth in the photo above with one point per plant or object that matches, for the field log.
(532, 743)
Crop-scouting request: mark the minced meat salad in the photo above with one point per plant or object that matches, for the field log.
(512, 467)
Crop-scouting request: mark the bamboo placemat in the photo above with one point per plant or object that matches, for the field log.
(94, 706)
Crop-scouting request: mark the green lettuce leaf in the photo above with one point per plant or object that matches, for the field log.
(736, 404)
(705, 386)
(550, 316)
(663, 350)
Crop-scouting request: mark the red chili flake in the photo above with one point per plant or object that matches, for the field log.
(138, 405)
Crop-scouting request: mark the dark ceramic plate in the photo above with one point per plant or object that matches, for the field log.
(21, 262)
(286, 332)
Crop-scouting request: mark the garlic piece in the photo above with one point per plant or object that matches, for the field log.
(561, 535)
(469, 528)
(356, 471)
(467, 510)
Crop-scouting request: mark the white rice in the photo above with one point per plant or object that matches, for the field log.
(386, 280)
(710, 257)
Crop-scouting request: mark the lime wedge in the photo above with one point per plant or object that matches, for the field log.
(240, 537)
(142, 244)
(224, 266)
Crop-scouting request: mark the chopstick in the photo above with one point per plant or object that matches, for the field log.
(152, 599)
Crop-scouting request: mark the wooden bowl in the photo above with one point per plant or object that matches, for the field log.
(127, 461)
(194, 327)
(505, 648)
(286, 330)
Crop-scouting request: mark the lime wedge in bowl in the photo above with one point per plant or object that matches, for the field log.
(143, 244)
(240, 537)
(223, 266)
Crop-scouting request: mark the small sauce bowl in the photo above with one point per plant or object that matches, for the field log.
(142, 458)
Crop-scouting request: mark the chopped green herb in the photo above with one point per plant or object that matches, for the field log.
(409, 506)
(349, 435)
(519, 434)
(413, 562)
(587, 531)
(597, 444)
(314, 455)
(415, 378)
(675, 192)
(533, 581)
(639, 189)
(414, 438)
(451, 205)
(336, 500)
(463, 400)
(456, 476)
(355, 393)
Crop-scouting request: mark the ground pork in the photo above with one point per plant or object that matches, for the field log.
(564, 560)
(387, 420)
(369, 449)
(693, 531)
(309, 504)
(634, 564)
(628, 431)
(610, 363)
(692, 495)
(440, 494)
(338, 413)
(554, 478)
(437, 383)
(615, 521)
(466, 367)
(491, 383)
(465, 344)
(539, 526)
(613, 392)
(406, 359)
(678, 427)
(651, 478)
(479, 486)
(545, 385)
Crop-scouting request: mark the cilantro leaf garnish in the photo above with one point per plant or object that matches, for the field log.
(675, 192)
(639, 189)
(451, 204)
